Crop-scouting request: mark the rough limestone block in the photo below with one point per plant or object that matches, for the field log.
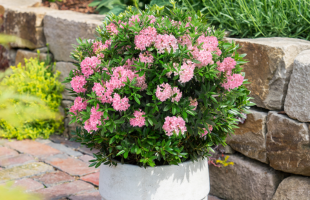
(297, 102)
(18, 3)
(269, 68)
(250, 138)
(287, 144)
(246, 179)
(26, 23)
(65, 68)
(61, 30)
(293, 188)
(22, 54)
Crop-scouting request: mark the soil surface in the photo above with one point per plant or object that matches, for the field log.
(74, 5)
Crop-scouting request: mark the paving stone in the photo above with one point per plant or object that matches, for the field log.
(70, 165)
(20, 159)
(65, 141)
(28, 184)
(42, 141)
(33, 148)
(86, 158)
(92, 178)
(3, 142)
(65, 149)
(54, 178)
(4, 152)
(24, 171)
(87, 150)
(62, 28)
(65, 190)
(87, 196)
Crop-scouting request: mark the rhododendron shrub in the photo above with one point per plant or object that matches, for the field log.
(154, 90)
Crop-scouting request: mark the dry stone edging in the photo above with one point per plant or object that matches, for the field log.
(269, 67)
(297, 102)
(288, 144)
(62, 28)
(250, 138)
(293, 188)
(246, 179)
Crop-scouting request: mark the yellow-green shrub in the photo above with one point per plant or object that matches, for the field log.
(33, 79)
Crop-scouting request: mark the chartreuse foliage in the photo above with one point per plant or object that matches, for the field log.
(8, 192)
(31, 95)
(150, 144)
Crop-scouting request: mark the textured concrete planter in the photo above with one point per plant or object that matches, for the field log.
(187, 181)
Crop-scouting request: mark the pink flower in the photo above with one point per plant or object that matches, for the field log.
(210, 43)
(120, 104)
(145, 38)
(233, 81)
(152, 18)
(174, 125)
(205, 57)
(146, 57)
(78, 105)
(88, 65)
(103, 93)
(186, 40)
(163, 92)
(166, 42)
(177, 98)
(112, 29)
(94, 120)
(193, 102)
(187, 72)
(141, 82)
(98, 47)
(78, 83)
(227, 65)
(138, 120)
(133, 19)
(205, 131)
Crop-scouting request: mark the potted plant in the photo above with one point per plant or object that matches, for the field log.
(154, 93)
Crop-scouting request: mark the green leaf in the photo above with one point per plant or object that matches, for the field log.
(137, 99)
(120, 153)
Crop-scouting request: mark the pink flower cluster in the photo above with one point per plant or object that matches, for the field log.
(186, 40)
(210, 43)
(98, 47)
(104, 93)
(120, 104)
(94, 120)
(152, 18)
(112, 29)
(77, 83)
(138, 120)
(187, 72)
(205, 131)
(164, 92)
(146, 57)
(233, 81)
(174, 125)
(204, 56)
(145, 38)
(89, 65)
(133, 19)
(166, 42)
(78, 105)
(227, 65)
(193, 102)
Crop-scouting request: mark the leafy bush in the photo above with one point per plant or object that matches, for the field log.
(32, 80)
(116, 6)
(153, 90)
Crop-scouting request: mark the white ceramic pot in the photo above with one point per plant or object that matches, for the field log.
(187, 181)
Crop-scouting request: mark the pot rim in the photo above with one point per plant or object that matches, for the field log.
(160, 166)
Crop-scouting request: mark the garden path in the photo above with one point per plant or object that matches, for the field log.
(54, 168)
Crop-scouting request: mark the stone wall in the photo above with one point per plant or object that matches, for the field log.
(270, 150)
(272, 159)
(40, 26)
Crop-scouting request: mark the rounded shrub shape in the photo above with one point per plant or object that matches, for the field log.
(154, 90)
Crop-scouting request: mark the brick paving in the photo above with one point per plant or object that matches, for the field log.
(56, 169)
